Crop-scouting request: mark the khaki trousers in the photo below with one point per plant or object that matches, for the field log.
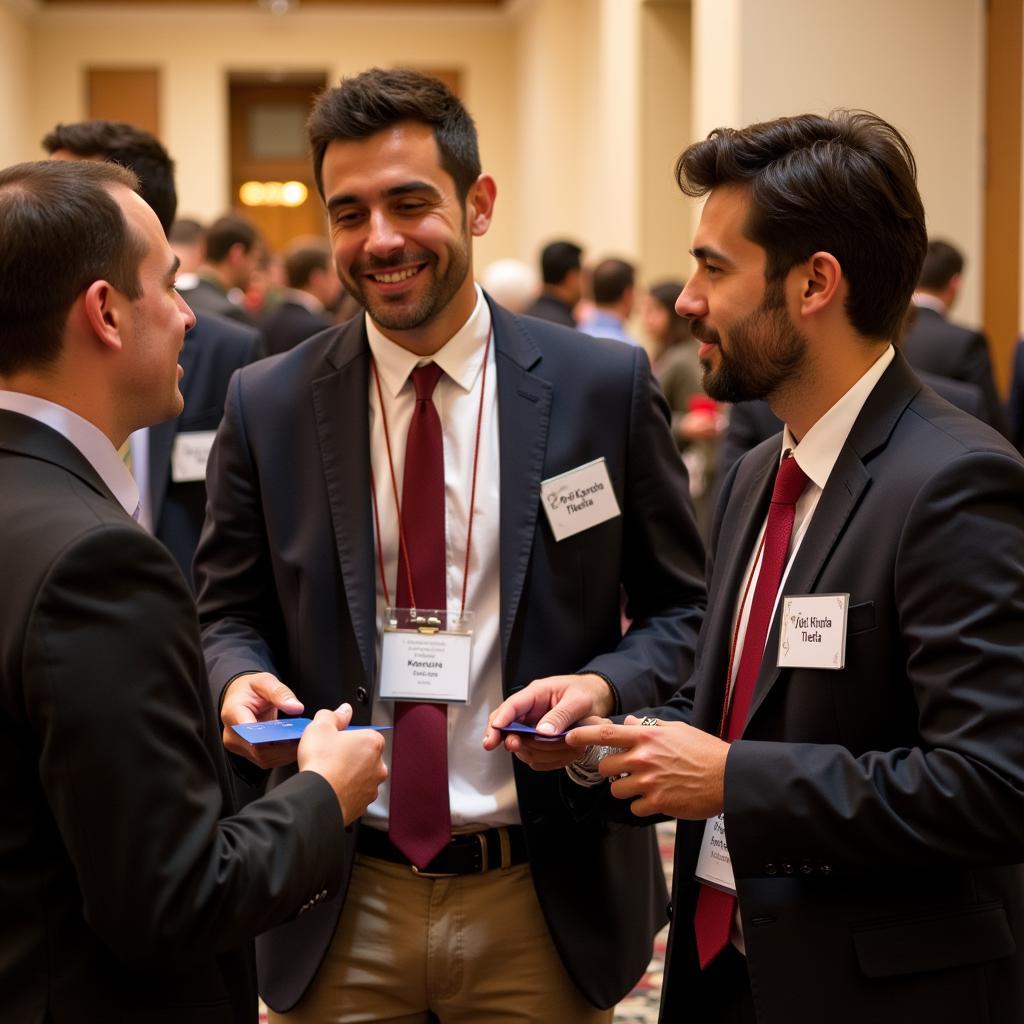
(473, 949)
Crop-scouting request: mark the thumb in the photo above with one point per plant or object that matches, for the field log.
(631, 720)
(568, 711)
(283, 699)
(343, 713)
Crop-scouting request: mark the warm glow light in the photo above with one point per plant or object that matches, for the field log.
(273, 193)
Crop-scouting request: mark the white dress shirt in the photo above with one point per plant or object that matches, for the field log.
(481, 787)
(94, 445)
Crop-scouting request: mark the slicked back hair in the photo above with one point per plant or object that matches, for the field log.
(558, 259)
(845, 184)
(60, 230)
(131, 147)
(942, 262)
(378, 99)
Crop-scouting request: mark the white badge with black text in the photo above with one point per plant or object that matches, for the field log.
(421, 661)
(714, 865)
(579, 499)
(190, 454)
(813, 631)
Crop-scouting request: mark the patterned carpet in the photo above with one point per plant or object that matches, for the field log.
(641, 1005)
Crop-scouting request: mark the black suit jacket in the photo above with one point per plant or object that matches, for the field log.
(935, 345)
(286, 325)
(286, 575)
(1015, 407)
(875, 814)
(128, 889)
(214, 349)
(208, 296)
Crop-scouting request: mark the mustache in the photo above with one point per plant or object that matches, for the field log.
(702, 332)
(379, 265)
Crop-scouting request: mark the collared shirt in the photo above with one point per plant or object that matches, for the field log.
(139, 441)
(303, 298)
(481, 787)
(93, 444)
(925, 301)
(600, 324)
(816, 453)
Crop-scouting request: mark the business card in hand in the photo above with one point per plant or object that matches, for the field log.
(284, 730)
(530, 730)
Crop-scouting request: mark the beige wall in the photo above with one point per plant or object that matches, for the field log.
(918, 63)
(14, 45)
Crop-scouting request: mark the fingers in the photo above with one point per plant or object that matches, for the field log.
(607, 735)
(543, 755)
(515, 709)
(276, 693)
(343, 713)
(571, 707)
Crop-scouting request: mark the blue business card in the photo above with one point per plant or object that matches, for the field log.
(530, 730)
(284, 730)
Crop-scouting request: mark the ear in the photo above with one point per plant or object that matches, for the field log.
(820, 278)
(104, 310)
(480, 204)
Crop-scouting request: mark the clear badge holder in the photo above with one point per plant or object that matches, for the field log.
(425, 655)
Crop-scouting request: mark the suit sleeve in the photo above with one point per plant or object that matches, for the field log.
(130, 763)
(978, 370)
(956, 793)
(662, 559)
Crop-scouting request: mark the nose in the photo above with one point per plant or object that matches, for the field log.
(186, 310)
(384, 238)
(691, 304)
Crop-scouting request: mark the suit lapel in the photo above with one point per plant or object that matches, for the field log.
(844, 488)
(340, 400)
(524, 411)
(162, 435)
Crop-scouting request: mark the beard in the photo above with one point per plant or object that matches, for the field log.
(404, 312)
(765, 352)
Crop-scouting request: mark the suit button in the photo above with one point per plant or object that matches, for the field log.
(361, 694)
(787, 869)
(770, 869)
(668, 910)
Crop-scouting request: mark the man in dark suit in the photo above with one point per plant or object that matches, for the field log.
(561, 270)
(233, 250)
(935, 344)
(294, 578)
(168, 459)
(130, 890)
(313, 288)
(847, 757)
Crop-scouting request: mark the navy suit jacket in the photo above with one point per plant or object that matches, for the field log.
(875, 813)
(214, 349)
(286, 576)
(286, 325)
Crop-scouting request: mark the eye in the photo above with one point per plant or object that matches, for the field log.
(712, 269)
(346, 218)
(410, 207)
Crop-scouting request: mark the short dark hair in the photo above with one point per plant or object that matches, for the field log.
(226, 232)
(942, 262)
(844, 184)
(377, 99)
(301, 260)
(665, 293)
(131, 147)
(60, 230)
(610, 280)
(558, 260)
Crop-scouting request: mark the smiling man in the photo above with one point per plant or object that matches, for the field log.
(847, 758)
(404, 461)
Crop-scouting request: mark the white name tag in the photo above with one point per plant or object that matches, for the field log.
(579, 499)
(190, 454)
(429, 666)
(714, 865)
(813, 631)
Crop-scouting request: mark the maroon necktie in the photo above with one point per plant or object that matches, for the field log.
(420, 818)
(715, 908)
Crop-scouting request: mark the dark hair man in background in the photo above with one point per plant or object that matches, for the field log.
(935, 344)
(168, 460)
(531, 919)
(561, 270)
(613, 289)
(233, 253)
(188, 240)
(313, 289)
(130, 889)
(850, 743)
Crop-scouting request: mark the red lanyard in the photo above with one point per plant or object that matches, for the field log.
(394, 490)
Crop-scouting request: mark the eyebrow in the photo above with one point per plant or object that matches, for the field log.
(398, 190)
(172, 272)
(707, 252)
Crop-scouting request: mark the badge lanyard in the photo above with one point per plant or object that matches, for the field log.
(404, 551)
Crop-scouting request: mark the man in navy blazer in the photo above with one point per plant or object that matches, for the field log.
(174, 500)
(862, 650)
(523, 914)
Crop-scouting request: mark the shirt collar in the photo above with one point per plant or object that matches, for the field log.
(93, 444)
(925, 301)
(461, 357)
(302, 298)
(819, 448)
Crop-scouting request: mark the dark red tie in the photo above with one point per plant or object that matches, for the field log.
(715, 908)
(420, 818)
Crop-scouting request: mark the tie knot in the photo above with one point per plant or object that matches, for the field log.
(424, 380)
(790, 482)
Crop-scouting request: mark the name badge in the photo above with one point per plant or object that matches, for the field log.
(419, 660)
(714, 865)
(190, 454)
(813, 631)
(579, 499)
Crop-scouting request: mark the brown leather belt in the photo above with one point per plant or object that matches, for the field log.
(468, 853)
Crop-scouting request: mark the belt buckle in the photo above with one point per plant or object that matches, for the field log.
(481, 838)
(432, 874)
